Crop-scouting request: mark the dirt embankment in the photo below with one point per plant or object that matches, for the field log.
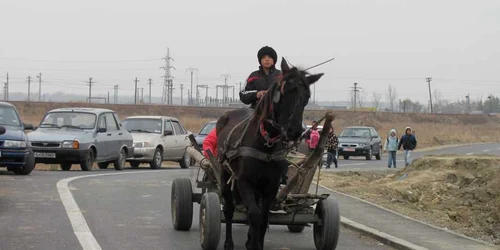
(430, 129)
(461, 193)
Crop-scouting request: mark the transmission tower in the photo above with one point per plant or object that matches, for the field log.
(355, 91)
(168, 85)
(39, 76)
(150, 90)
(6, 89)
(225, 88)
(206, 92)
(90, 89)
(191, 70)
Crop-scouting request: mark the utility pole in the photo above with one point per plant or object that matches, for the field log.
(468, 103)
(39, 76)
(115, 88)
(191, 70)
(491, 105)
(225, 88)
(429, 79)
(135, 91)
(90, 89)
(142, 95)
(168, 85)
(108, 97)
(6, 89)
(233, 91)
(182, 96)
(29, 87)
(150, 90)
(188, 93)
(355, 90)
(240, 86)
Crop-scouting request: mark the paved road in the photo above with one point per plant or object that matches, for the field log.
(132, 210)
(361, 164)
(125, 211)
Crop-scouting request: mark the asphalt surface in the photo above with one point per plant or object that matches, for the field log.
(132, 210)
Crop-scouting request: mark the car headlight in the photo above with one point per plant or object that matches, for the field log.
(362, 145)
(14, 144)
(141, 144)
(70, 144)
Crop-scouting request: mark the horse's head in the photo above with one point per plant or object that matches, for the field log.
(286, 100)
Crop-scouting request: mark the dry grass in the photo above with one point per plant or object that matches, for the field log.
(461, 193)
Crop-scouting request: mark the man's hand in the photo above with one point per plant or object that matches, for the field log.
(260, 94)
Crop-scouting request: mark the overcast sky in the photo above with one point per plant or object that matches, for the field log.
(375, 43)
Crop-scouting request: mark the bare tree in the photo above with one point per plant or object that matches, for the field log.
(392, 95)
(376, 99)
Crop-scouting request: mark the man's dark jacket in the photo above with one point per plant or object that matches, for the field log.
(258, 81)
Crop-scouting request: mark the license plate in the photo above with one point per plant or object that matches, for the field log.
(349, 149)
(45, 155)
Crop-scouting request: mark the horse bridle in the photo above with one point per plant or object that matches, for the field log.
(270, 141)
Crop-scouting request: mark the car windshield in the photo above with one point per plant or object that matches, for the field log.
(136, 125)
(355, 132)
(9, 117)
(207, 128)
(72, 120)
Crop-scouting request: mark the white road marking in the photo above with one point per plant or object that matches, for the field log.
(80, 226)
(486, 150)
(469, 153)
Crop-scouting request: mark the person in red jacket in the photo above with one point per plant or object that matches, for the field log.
(210, 142)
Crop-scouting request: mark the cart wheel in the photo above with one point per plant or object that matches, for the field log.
(181, 204)
(296, 228)
(326, 234)
(210, 221)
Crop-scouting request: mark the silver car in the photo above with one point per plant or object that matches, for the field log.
(157, 139)
(82, 136)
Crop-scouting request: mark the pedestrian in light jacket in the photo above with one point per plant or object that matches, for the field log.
(391, 147)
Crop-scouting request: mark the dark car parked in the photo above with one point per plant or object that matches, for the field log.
(15, 152)
(204, 131)
(360, 141)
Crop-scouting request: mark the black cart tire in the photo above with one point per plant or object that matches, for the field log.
(88, 163)
(326, 235)
(103, 165)
(210, 221)
(66, 166)
(120, 162)
(28, 167)
(181, 204)
(296, 228)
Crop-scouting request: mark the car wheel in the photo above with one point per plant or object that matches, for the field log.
(28, 166)
(369, 155)
(157, 159)
(134, 164)
(377, 156)
(103, 165)
(121, 160)
(185, 161)
(88, 163)
(346, 157)
(66, 166)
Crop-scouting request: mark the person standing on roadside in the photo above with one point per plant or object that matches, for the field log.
(391, 147)
(409, 143)
(332, 145)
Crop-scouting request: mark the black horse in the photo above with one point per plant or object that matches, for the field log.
(253, 143)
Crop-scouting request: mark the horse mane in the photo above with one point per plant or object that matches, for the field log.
(263, 106)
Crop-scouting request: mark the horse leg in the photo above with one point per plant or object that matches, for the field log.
(254, 214)
(228, 210)
(268, 198)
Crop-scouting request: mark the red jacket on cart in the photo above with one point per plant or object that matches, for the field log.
(210, 142)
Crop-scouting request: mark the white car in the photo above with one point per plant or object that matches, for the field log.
(157, 139)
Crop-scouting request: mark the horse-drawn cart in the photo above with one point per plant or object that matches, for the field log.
(295, 206)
